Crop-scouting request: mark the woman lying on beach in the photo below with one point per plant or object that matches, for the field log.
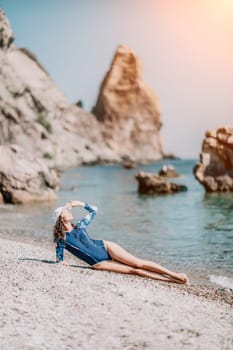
(102, 254)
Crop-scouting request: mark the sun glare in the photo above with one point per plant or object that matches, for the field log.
(222, 5)
(221, 12)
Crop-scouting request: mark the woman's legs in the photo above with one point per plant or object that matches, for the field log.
(118, 253)
(115, 266)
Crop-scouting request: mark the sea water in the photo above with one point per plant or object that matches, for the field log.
(190, 231)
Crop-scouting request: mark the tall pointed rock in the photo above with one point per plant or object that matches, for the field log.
(129, 110)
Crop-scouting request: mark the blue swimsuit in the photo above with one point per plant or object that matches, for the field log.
(80, 244)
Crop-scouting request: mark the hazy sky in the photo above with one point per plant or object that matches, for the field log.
(186, 47)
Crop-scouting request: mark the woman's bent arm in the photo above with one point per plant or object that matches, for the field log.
(89, 217)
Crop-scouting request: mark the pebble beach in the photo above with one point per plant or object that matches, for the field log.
(49, 306)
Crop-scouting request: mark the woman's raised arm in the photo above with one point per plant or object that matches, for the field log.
(92, 211)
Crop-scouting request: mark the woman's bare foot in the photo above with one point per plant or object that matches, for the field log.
(184, 278)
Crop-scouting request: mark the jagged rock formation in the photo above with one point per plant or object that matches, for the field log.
(215, 169)
(150, 183)
(37, 116)
(24, 178)
(129, 110)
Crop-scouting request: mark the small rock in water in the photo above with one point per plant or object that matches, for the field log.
(128, 164)
(149, 183)
(168, 171)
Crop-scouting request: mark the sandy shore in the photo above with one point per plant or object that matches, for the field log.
(50, 306)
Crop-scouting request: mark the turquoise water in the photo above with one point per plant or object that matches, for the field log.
(190, 231)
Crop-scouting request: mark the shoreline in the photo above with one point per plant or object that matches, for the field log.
(210, 291)
(46, 306)
(199, 283)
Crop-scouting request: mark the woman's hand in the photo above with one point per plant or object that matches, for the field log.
(76, 204)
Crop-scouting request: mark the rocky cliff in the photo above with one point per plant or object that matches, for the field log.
(36, 115)
(24, 178)
(129, 110)
(215, 169)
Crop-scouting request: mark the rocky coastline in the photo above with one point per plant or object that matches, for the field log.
(37, 117)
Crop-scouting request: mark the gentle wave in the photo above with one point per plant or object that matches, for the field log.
(223, 281)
